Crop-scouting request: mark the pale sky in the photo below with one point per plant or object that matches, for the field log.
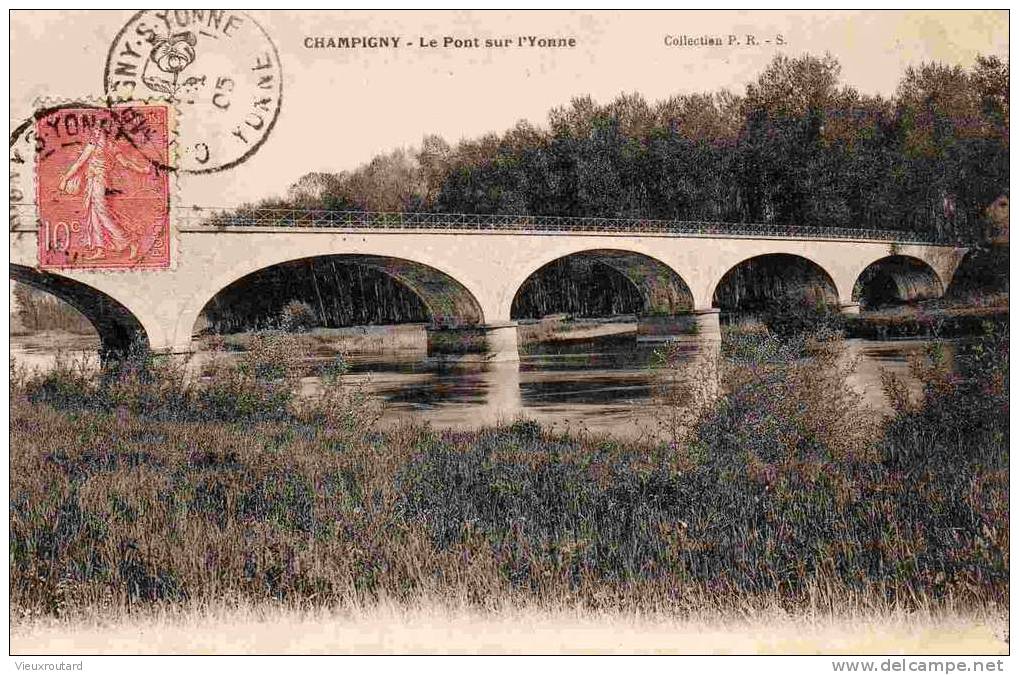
(341, 107)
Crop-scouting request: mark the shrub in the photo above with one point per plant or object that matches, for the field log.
(790, 471)
(788, 399)
(298, 316)
(949, 452)
(685, 385)
(259, 384)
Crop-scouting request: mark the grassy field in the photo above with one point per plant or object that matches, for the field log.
(139, 493)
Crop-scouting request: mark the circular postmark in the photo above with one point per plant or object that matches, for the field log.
(73, 120)
(219, 68)
(24, 146)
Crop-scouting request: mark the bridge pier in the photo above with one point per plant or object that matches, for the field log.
(493, 342)
(695, 326)
(849, 308)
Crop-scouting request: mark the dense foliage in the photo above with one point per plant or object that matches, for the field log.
(796, 147)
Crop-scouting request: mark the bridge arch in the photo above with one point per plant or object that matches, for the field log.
(981, 270)
(443, 300)
(117, 326)
(759, 281)
(897, 278)
(656, 288)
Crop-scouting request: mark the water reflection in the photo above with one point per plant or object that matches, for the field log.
(601, 385)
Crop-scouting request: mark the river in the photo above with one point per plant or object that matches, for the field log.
(598, 385)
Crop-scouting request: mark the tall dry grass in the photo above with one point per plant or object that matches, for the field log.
(433, 628)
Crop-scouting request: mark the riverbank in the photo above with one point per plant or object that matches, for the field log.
(387, 628)
(331, 341)
(54, 341)
(778, 490)
(376, 340)
(929, 319)
(561, 330)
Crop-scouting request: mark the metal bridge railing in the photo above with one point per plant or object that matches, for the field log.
(205, 218)
(212, 217)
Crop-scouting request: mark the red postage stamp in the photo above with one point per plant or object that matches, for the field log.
(103, 188)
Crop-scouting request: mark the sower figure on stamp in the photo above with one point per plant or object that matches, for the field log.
(103, 229)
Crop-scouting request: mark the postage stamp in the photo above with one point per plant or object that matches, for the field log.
(219, 69)
(102, 195)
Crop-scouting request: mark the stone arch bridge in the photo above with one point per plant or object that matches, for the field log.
(467, 269)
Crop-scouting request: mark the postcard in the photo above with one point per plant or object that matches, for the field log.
(509, 332)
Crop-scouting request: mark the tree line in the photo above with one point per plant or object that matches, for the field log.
(797, 147)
